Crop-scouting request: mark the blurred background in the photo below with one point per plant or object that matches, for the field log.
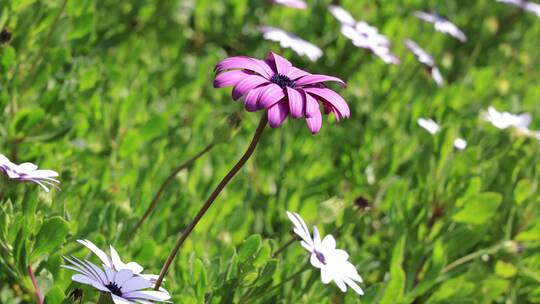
(114, 95)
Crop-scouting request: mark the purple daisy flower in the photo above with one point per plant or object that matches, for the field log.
(276, 85)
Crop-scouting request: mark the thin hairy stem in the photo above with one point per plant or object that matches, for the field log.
(37, 290)
(211, 199)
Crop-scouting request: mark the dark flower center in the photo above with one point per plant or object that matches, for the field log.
(282, 81)
(114, 288)
(320, 257)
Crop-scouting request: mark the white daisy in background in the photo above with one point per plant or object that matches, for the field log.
(442, 25)
(433, 128)
(425, 59)
(429, 125)
(332, 262)
(288, 40)
(298, 4)
(364, 35)
(524, 5)
(124, 286)
(460, 143)
(507, 120)
(114, 262)
(29, 172)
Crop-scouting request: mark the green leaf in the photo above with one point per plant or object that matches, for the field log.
(55, 295)
(395, 288)
(249, 247)
(524, 189)
(505, 270)
(478, 208)
(51, 235)
(8, 57)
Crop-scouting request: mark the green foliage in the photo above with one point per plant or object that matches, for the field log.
(114, 95)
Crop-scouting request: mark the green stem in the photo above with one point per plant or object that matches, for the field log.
(472, 256)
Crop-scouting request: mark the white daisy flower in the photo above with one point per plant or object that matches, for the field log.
(429, 125)
(332, 262)
(460, 143)
(124, 286)
(29, 172)
(288, 40)
(114, 262)
(442, 25)
(524, 5)
(364, 35)
(298, 4)
(343, 16)
(432, 127)
(424, 58)
(507, 120)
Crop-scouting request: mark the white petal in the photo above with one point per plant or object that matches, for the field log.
(429, 125)
(326, 275)
(340, 254)
(460, 143)
(122, 276)
(135, 283)
(115, 259)
(315, 261)
(135, 267)
(81, 278)
(120, 300)
(329, 243)
(100, 253)
(354, 286)
(148, 295)
(339, 282)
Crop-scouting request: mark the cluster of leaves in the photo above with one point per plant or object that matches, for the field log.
(114, 95)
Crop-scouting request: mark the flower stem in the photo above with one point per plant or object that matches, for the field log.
(211, 199)
(474, 255)
(165, 184)
(37, 290)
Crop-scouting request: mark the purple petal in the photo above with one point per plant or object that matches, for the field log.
(252, 98)
(246, 84)
(295, 73)
(313, 79)
(243, 62)
(282, 65)
(333, 99)
(314, 123)
(229, 78)
(296, 102)
(277, 114)
(271, 94)
(312, 106)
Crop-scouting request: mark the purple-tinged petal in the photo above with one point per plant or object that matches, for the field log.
(314, 122)
(243, 62)
(295, 73)
(229, 78)
(271, 94)
(277, 114)
(282, 65)
(296, 102)
(246, 84)
(252, 98)
(312, 106)
(268, 68)
(333, 99)
(315, 78)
